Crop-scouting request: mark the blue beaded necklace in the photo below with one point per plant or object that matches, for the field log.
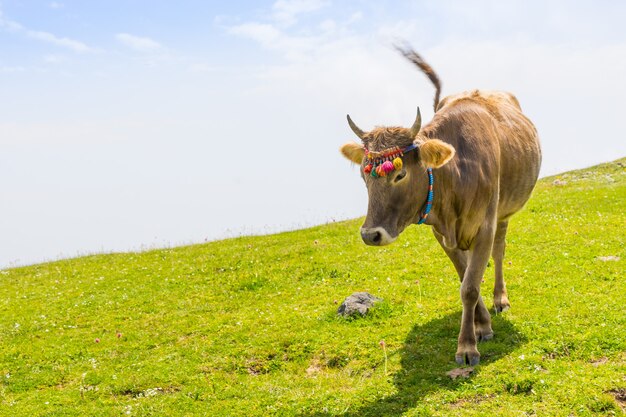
(429, 198)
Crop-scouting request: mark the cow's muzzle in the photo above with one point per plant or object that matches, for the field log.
(376, 236)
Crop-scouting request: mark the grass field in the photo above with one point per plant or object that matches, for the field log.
(247, 326)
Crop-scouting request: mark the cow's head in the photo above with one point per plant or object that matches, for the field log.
(397, 196)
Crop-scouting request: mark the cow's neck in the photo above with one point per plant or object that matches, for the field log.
(436, 217)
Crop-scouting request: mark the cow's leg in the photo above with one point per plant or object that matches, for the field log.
(457, 256)
(474, 309)
(482, 320)
(500, 299)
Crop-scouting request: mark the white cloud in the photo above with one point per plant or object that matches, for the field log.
(328, 25)
(286, 11)
(53, 59)
(139, 43)
(355, 17)
(74, 45)
(10, 69)
(401, 29)
(203, 67)
(56, 5)
(9, 24)
(301, 43)
(263, 33)
(294, 48)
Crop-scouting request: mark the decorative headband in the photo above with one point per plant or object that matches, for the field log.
(383, 162)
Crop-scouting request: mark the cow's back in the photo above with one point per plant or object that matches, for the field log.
(516, 139)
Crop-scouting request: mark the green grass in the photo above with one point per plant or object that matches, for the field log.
(247, 326)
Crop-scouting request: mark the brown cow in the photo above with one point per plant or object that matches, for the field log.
(484, 156)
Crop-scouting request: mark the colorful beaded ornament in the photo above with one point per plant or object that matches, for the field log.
(383, 162)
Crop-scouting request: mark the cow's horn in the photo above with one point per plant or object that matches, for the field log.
(417, 124)
(355, 128)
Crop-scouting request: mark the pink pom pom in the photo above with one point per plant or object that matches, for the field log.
(388, 166)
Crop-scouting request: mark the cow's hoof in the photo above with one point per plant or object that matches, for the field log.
(483, 332)
(481, 337)
(502, 304)
(469, 357)
(502, 308)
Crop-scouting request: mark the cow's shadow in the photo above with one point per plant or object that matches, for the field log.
(426, 356)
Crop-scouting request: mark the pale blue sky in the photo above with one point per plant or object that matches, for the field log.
(132, 124)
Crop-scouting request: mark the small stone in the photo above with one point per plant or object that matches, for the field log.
(460, 373)
(357, 303)
(600, 361)
(608, 258)
(559, 183)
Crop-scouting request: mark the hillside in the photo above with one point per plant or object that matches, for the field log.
(247, 326)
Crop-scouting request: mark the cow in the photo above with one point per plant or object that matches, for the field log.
(464, 174)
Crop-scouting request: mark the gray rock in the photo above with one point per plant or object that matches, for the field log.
(357, 303)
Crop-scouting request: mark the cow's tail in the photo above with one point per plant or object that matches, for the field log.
(415, 58)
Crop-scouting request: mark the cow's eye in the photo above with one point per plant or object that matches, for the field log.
(400, 176)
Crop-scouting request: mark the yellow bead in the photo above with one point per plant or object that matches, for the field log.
(397, 163)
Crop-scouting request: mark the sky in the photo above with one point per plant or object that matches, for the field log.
(129, 125)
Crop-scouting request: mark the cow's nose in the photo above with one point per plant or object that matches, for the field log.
(376, 236)
(371, 236)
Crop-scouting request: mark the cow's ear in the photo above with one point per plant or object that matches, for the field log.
(435, 153)
(353, 152)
